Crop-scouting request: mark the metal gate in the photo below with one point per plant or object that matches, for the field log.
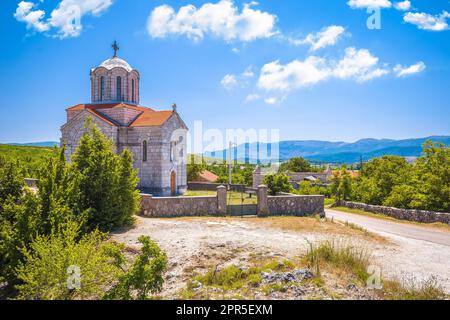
(242, 203)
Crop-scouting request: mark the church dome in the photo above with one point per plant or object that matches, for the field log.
(116, 62)
(114, 80)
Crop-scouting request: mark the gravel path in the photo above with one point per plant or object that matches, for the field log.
(197, 241)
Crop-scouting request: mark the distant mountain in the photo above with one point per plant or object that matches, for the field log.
(36, 144)
(335, 152)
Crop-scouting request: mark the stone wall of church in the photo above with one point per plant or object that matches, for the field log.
(163, 155)
(121, 115)
(110, 85)
(173, 153)
(72, 132)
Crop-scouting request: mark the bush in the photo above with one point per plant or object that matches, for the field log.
(60, 266)
(277, 183)
(144, 276)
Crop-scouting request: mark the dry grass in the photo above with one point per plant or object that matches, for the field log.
(317, 225)
(436, 225)
(412, 290)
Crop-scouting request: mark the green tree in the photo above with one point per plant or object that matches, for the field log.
(11, 181)
(193, 169)
(431, 178)
(127, 193)
(341, 184)
(145, 275)
(277, 183)
(379, 176)
(297, 164)
(100, 172)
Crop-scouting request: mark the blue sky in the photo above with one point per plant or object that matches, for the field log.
(312, 69)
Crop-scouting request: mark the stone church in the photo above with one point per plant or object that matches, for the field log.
(157, 139)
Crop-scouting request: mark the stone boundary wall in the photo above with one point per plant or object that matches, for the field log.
(295, 205)
(208, 186)
(166, 207)
(283, 204)
(401, 214)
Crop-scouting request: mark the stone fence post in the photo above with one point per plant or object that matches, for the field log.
(221, 200)
(262, 206)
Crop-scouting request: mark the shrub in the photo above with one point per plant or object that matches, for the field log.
(144, 276)
(46, 272)
(277, 183)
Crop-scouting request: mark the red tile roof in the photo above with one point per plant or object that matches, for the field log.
(147, 117)
(207, 176)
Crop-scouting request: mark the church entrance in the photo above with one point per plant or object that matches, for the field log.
(173, 185)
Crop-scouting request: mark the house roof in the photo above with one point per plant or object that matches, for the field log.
(207, 175)
(147, 116)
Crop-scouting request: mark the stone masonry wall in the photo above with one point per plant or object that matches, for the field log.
(402, 214)
(295, 205)
(166, 207)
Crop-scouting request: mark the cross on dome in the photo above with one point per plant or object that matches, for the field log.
(115, 48)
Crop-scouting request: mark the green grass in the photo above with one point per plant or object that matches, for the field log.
(233, 198)
(232, 277)
(427, 290)
(338, 255)
(30, 158)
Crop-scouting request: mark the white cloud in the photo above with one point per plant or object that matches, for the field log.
(65, 18)
(364, 4)
(248, 73)
(32, 18)
(427, 21)
(401, 71)
(296, 74)
(272, 100)
(229, 81)
(359, 65)
(252, 97)
(326, 37)
(222, 20)
(403, 6)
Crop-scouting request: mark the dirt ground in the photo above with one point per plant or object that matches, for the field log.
(196, 244)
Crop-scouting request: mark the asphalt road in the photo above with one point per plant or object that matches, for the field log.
(386, 227)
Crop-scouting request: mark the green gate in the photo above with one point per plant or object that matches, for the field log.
(242, 203)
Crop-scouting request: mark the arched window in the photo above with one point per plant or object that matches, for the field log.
(132, 91)
(119, 88)
(144, 151)
(102, 87)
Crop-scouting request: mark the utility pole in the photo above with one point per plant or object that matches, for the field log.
(230, 164)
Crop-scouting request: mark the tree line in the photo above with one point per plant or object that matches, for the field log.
(388, 181)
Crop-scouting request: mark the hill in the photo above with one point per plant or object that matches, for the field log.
(338, 152)
(31, 158)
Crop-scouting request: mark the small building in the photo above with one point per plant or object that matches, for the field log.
(296, 177)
